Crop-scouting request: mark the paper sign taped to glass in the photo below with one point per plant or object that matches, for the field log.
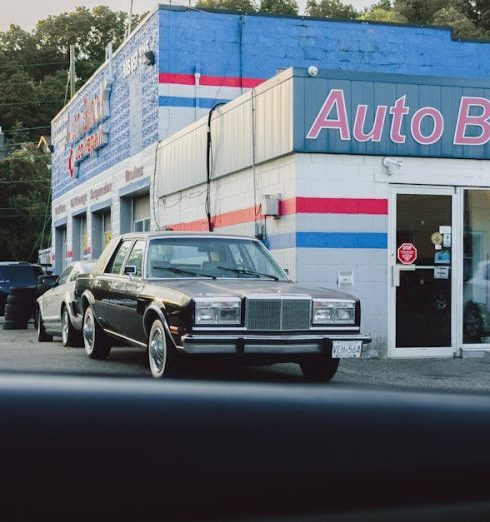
(442, 257)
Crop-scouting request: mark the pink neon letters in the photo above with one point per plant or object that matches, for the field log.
(472, 126)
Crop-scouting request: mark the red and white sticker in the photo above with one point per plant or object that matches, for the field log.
(406, 253)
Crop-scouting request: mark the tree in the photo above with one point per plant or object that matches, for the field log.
(462, 26)
(330, 9)
(419, 11)
(279, 7)
(241, 6)
(25, 208)
(378, 14)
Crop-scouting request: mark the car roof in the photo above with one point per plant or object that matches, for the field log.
(177, 233)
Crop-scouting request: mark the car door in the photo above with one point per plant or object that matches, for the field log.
(107, 286)
(51, 301)
(129, 320)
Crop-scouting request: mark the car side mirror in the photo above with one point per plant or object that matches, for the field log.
(130, 270)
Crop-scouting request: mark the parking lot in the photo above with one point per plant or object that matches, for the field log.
(20, 352)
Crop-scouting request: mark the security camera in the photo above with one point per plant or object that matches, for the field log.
(392, 165)
(312, 70)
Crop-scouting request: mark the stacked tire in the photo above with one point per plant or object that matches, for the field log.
(20, 308)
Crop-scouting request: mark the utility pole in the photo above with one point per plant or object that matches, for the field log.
(130, 18)
(72, 71)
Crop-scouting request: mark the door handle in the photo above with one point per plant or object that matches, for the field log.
(115, 284)
(395, 273)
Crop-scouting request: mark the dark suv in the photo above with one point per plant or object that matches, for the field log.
(16, 274)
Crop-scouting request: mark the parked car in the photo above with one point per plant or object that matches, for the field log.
(17, 274)
(55, 313)
(476, 319)
(181, 295)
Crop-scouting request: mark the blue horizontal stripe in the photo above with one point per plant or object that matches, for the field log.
(341, 240)
(177, 101)
(376, 240)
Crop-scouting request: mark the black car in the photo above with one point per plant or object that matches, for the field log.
(181, 295)
(17, 274)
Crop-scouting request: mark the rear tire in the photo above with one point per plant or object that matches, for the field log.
(69, 336)
(42, 336)
(97, 343)
(318, 369)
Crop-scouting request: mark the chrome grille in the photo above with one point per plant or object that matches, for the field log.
(278, 314)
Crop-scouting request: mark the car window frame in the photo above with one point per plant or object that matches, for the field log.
(143, 258)
(114, 254)
(68, 268)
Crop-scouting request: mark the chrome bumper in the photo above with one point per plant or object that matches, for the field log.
(265, 344)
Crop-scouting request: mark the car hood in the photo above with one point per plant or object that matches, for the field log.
(246, 287)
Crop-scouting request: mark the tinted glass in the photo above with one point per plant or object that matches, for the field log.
(18, 275)
(115, 265)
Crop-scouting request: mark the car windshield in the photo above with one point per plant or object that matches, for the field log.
(230, 258)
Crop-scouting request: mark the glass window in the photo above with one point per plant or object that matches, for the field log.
(476, 267)
(143, 225)
(114, 267)
(211, 257)
(136, 257)
(65, 275)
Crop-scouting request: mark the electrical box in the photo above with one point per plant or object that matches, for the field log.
(270, 205)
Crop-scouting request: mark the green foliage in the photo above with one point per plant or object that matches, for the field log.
(463, 27)
(330, 9)
(279, 7)
(25, 207)
(241, 6)
(378, 14)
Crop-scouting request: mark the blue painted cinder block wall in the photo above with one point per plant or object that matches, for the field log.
(256, 46)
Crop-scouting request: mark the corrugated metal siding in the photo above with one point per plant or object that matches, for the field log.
(181, 161)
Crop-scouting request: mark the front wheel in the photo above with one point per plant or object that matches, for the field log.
(161, 357)
(97, 344)
(319, 369)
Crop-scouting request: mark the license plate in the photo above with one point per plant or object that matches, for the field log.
(346, 349)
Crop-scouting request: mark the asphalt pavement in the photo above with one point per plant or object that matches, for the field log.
(20, 352)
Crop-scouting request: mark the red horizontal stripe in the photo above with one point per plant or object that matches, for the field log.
(291, 206)
(213, 81)
(334, 206)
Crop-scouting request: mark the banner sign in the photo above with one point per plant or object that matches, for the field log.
(381, 114)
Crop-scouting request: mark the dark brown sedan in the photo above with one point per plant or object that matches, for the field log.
(181, 295)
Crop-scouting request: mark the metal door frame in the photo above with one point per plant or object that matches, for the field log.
(456, 277)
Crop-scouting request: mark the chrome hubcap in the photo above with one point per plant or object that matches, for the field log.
(88, 331)
(157, 352)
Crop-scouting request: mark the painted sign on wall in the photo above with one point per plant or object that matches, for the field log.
(86, 130)
(359, 113)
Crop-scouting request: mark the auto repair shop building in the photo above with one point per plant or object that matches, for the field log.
(368, 172)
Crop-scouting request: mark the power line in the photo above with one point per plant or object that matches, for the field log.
(22, 129)
(31, 64)
(32, 102)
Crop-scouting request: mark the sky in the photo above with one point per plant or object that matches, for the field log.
(26, 12)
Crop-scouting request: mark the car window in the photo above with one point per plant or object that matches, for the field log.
(136, 257)
(115, 265)
(65, 275)
(210, 257)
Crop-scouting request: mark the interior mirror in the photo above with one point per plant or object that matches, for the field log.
(130, 269)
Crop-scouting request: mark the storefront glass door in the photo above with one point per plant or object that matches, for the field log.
(422, 272)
